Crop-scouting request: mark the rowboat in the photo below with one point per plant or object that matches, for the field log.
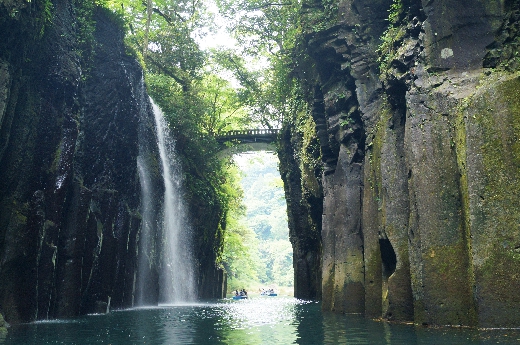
(239, 297)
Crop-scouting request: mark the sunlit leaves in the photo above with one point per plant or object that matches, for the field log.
(224, 109)
(260, 24)
(266, 215)
(175, 50)
(163, 31)
(277, 257)
(239, 260)
(200, 103)
(268, 29)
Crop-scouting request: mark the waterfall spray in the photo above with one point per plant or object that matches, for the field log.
(176, 272)
(145, 246)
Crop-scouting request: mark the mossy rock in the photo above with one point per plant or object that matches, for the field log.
(3, 327)
(493, 175)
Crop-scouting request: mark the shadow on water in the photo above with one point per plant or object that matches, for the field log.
(248, 322)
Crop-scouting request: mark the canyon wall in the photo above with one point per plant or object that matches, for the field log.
(303, 195)
(410, 216)
(74, 117)
(416, 112)
(70, 192)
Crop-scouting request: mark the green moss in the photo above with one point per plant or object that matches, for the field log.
(460, 145)
(510, 94)
(309, 161)
(392, 37)
(44, 19)
(499, 271)
(450, 296)
(493, 121)
(19, 218)
(497, 114)
(376, 147)
(373, 270)
(3, 328)
(498, 288)
(492, 117)
(395, 12)
(56, 161)
(317, 20)
(373, 264)
(501, 151)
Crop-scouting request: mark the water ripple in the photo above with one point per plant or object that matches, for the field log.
(257, 321)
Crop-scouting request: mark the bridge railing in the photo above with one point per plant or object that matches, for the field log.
(250, 133)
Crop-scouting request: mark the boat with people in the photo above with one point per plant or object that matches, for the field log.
(242, 294)
(239, 297)
(268, 292)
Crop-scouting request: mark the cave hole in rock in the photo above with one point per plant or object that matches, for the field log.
(388, 265)
(388, 258)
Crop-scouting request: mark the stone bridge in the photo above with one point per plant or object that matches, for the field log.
(250, 136)
(248, 140)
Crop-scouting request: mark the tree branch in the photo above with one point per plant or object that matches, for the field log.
(167, 17)
(184, 84)
(269, 4)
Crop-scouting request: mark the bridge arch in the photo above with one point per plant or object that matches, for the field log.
(249, 140)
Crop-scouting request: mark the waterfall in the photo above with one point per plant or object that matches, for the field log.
(176, 264)
(147, 220)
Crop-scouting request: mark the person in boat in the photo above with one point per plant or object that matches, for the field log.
(236, 292)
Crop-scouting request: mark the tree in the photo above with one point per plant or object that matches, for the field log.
(223, 107)
(268, 30)
(266, 215)
(197, 104)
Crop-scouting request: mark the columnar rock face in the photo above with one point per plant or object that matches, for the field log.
(75, 124)
(70, 193)
(303, 196)
(417, 122)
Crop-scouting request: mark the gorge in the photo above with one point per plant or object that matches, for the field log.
(402, 180)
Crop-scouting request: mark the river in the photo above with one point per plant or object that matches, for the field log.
(261, 320)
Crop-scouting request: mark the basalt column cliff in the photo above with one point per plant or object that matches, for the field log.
(416, 109)
(74, 116)
(69, 190)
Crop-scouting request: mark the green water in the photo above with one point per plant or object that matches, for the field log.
(267, 320)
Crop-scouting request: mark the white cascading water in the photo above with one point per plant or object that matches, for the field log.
(177, 283)
(145, 261)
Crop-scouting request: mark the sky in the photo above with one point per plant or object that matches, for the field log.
(220, 37)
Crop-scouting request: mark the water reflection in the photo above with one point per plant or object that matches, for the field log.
(257, 321)
(261, 321)
(355, 329)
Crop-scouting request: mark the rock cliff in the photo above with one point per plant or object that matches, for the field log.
(415, 110)
(70, 189)
(73, 112)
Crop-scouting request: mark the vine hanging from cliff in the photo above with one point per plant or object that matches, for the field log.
(393, 35)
